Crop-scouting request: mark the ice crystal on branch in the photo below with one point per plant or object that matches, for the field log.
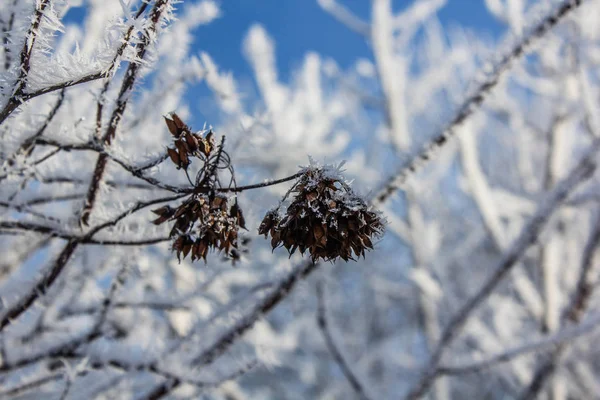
(325, 217)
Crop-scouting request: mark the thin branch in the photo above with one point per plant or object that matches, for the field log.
(28, 145)
(158, 306)
(6, 30)
(103, 151)
(473, 102)
(32, 384)
(270, 182)
(25, 61)
(21, 95)
(111, 183)
(43, 285)
(27, 210)
(578, 305)
(337, 355)
(121, 104)
(126, 242)
(44, 200)
(40, 288)
(346, 17)
(526, 238)
(562, 337)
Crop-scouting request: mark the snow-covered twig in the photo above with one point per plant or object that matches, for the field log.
(25, 61)
(29, 385)
(578, 305)
(529, 234)
(473, 102)
(346, 17)
(121, 103)
(558, 338)
(337, 355)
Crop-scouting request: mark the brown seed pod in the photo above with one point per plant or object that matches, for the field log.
(203, 222)
(326, 218)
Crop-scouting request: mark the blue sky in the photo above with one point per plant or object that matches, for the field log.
(299, 26)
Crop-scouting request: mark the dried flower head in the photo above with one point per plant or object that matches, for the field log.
(203, 222)
(187, 144)
(206, 219)
(325, 217)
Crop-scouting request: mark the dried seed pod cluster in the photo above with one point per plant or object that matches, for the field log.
(203, 222)
(187, 144)
(325, 217)
(206, 219)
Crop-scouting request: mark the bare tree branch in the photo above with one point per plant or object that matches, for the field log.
(121, 103)
(564, 336)
(25, 61)
(473, 102)
(337, 355)
(526, 238)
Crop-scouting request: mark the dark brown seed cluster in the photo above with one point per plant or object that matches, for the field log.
(326, 218)
(203, 222)
(206, 220)
(187, 144)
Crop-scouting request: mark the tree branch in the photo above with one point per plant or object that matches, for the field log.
(562, 337)
(473, 102)
(25, 61)
(337, 355)
(526, 238)
(117, 114)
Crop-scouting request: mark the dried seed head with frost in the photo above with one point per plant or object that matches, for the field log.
(187, 144)
(325, 217)
(203, 222)
(207, 219)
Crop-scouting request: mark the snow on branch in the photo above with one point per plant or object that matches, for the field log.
(528, 236)
(334, 349)
(567, 335)
(475, 100)
(346, 17)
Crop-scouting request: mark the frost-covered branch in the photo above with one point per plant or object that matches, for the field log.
(21, 95)
(474, 101)
(51, 274)
(337, 355)
(25, 61)
(566, 335)
(121, 103)
(529, 234)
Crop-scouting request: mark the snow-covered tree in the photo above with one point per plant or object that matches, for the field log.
(481, 156)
